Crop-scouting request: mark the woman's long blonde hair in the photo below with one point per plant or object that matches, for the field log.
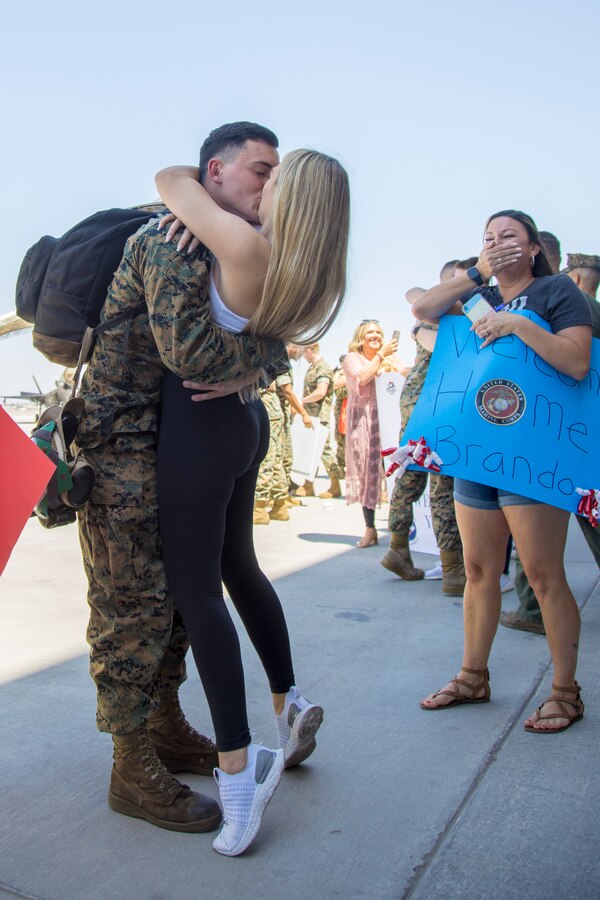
(358, 339)
(306, 279)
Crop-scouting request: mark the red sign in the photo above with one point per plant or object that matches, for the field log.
(24, 473)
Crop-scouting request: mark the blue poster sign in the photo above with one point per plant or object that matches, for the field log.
(502, 416)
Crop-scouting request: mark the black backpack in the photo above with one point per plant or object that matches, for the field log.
(62, 283)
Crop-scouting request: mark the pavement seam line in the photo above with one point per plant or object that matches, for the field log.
(421, 870)
(14, 892)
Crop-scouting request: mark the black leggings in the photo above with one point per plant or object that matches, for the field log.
(208, 458)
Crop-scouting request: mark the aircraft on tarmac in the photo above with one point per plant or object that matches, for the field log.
(11, 324)
(40, 398)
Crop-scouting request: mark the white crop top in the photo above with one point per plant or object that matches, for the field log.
(221, 314)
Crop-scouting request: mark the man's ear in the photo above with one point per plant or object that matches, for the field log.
(576, 277)
(214, 169)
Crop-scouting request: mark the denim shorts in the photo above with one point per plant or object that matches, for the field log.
(480, 496)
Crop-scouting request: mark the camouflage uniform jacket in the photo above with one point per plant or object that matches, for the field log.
(319, 372)
(413, 384)
(271, 400)
(340, 395)
(121, 386)
(280, 381)
(595, 311)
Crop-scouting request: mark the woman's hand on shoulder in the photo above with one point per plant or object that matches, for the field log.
(186, 238)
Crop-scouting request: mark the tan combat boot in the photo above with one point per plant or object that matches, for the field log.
(179, 746)
(261, 515)
(453, 573)
(142, 787)
(292, 501)
(308, 490)
(398, 560)
(279, 511)
(334, 490)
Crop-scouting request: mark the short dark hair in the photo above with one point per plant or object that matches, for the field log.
(551, 246)
(541, 266)
(464, 264)
(451, 264)
(233, 136)
(589, 279)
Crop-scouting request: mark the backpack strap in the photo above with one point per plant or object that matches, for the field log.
(91, 334)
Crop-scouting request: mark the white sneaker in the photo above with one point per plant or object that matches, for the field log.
(297, 726)
(506, 584)
(434, 574)
(244, 798)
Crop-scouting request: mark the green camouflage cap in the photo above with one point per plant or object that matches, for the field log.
(581, 261)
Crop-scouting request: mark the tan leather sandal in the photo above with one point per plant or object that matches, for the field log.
(370, 541)
(576, 705)
(458, 697)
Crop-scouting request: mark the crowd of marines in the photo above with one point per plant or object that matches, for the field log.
(323, 389)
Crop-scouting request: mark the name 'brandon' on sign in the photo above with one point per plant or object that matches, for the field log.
(529, 470)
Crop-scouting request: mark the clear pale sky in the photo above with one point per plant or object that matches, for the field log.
(443, 112)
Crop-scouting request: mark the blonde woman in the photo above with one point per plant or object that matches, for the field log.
(288, 281)
(368, 356)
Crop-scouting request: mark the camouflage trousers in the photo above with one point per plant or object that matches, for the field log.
(137, 640)
(410, 488)
(288, 453)
(272, 482)
(329, 461)
(340, 453)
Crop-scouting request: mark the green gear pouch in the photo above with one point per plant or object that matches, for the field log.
(73, 481)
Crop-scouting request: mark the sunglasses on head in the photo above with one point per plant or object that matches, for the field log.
(364, 321)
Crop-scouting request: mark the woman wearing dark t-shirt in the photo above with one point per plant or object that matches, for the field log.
(513, 253)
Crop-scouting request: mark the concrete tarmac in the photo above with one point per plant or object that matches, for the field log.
(395, 802)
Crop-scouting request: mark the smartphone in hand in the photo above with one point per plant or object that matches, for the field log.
(395, 335)
(477, 307)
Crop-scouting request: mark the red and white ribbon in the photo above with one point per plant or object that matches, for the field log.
(416, 452)
(589, 505)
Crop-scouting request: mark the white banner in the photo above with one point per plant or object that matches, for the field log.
(307, 447)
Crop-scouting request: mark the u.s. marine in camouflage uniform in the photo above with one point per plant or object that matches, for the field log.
(290, 404)
(318, 380)
(283, 384)
(410, 487)
(272, 485)
(272, 489)
(137, 641)
(341, 395)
